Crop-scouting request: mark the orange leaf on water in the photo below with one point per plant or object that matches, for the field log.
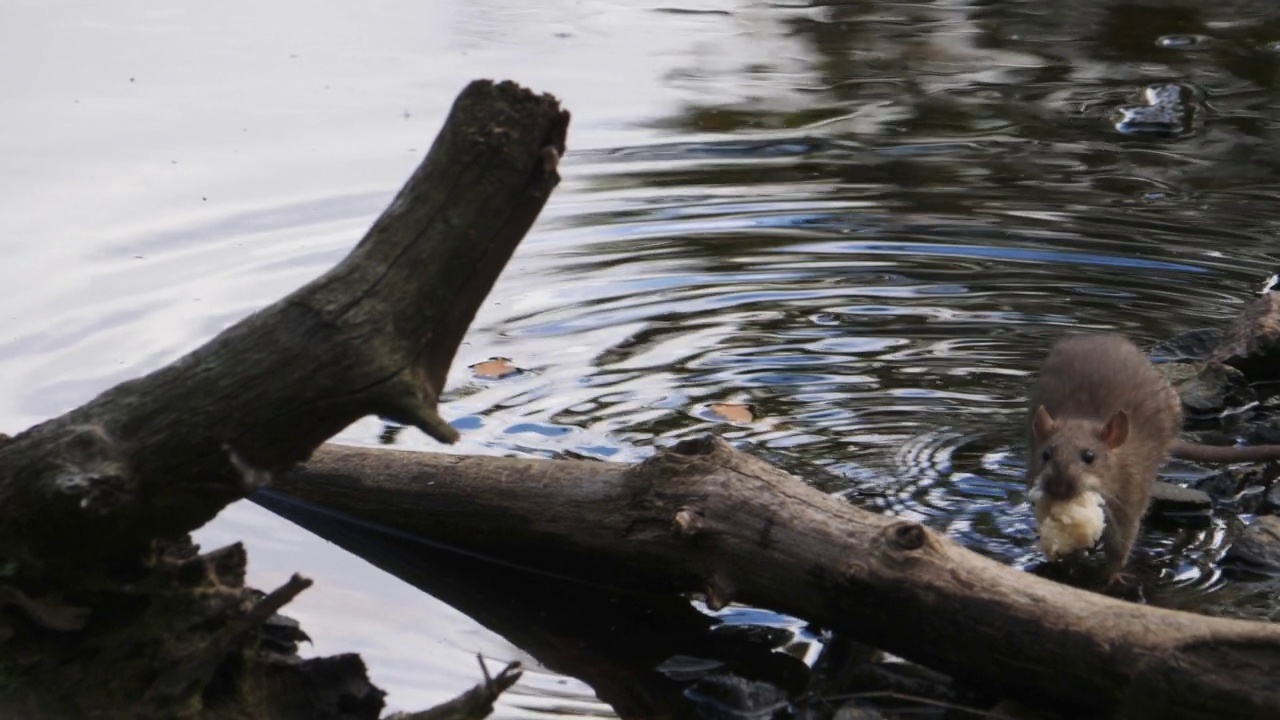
(733, 412)
(495, 368)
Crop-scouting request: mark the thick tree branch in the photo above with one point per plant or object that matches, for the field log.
(160, 455)
(703, 517)
(106, 609)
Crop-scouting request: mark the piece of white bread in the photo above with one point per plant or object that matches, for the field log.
(1068, 525)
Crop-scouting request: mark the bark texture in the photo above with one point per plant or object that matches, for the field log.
(702, 517)
(93, 503)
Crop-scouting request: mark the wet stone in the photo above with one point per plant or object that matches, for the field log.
(1250, 500)
(1251, 343)
(1259, 544)
(1180, 373)
(1271, 500)
(1180, 506)
(1264, 429)
(1210, 388)
(1224, 485)
(1170, 111)
(1197, 344)
(1239, 489)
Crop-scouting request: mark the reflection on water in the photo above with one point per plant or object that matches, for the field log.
(866, 220)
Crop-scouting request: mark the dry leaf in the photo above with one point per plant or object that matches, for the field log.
(733, 412)
(495, 368)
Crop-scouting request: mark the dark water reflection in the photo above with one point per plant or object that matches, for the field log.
(867, 220)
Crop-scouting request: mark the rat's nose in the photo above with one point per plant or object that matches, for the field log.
(1060, 486)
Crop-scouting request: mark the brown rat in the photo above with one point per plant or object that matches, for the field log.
(1103, 420)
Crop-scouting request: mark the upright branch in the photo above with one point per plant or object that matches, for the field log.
(106, 609)
(160, 455)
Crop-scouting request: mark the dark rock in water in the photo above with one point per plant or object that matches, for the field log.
(1208, 388)
(1271, 500)
(1224, 485)
(1251, 343)
(1264, 430)
(1196, 344)
(1180, 506)
(1250, 500)
(1180, 373)
(1217, 436)
(1259, 545)
(1239, 489)
(1167, 496)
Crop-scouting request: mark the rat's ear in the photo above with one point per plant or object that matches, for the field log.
(1042, 425)
(1116, 431)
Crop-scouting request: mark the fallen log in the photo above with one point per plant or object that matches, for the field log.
(702, 517)
(611, 640)
(106, 608)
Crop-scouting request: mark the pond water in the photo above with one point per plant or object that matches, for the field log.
(865, 220)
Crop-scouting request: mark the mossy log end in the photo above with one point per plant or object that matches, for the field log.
(97, 617)
(703, 517)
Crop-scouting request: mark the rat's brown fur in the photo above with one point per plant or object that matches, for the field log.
(1099, 397)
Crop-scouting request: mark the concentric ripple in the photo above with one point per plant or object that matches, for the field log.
(888, 347)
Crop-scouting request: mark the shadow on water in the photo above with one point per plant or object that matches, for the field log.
(642, 654)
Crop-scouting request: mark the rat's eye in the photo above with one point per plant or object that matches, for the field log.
(1047, 455)
(1086, 456)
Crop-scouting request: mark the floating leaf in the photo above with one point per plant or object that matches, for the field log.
(495, 368)
(733, 412)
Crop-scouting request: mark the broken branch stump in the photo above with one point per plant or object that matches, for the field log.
(86, 498)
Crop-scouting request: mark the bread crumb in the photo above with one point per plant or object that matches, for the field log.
(1069, 525)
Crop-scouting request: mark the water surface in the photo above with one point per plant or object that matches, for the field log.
(865, 220)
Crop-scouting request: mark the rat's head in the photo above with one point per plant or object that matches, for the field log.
(1073, 453)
